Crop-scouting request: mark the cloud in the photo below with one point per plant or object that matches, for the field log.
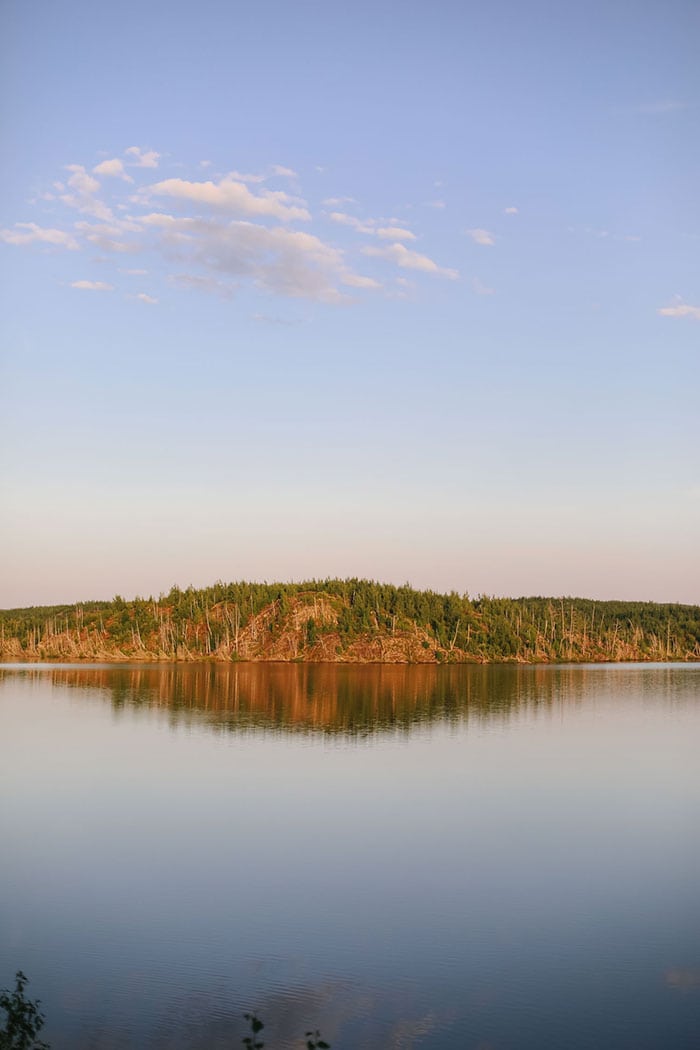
(83, 198)
(435, 204)
(395, 233)
(482, 237)
(410, 260)
(338, 202)
(142, 158)
(666, 106)
(512, 210)
(92, 286)
(220, 234)
(239, 176)
(681, 310)
(355, 280)
(199, 283)
(480, 288)
(371, 226)
(107, 236)
(361, 225)
(231, 196)
(144, 298)
(30, 233)
(114, 168)
(275, 319)
(287, 262)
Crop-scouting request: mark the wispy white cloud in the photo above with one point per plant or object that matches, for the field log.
(395, 233)
(83, 196)
(141, 158)
(287, 262)
(242, 176)
(483, 237)
(114, 168)
(361, 225)
(225, 231)
(200, 283)
(680, 309)
(512, 210)
(372, 227)
(356, 280)
(410, 260)
(663, 106)
(435, 204)
(338, 202)
(480, 288)
(148, 299)
(109, 236)
(286, 322)
(231, 196)
(92, 286)
(29, 233)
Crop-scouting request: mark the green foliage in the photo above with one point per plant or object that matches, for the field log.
(212, 621)
(314, 1041)
(256, 1026)
(251, 1042)
(23, 1019)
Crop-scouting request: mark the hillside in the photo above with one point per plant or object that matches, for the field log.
(349, 621)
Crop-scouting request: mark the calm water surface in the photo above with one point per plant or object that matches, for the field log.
(481, 858)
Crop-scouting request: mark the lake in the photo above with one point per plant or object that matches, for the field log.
(490, 858)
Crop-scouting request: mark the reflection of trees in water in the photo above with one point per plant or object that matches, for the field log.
(360, 700)
(347, 1013)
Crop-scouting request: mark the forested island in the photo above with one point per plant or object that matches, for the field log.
(349, 621)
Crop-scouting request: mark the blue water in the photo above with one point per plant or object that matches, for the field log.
(491, 858)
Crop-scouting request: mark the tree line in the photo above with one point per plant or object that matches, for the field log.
(350, 619)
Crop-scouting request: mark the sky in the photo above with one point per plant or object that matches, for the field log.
(404, 291)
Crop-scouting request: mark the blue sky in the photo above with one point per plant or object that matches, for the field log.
(405, 291)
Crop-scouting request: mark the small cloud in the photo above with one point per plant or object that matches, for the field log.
(205, 163)
(231, 195)
(84, 188)
(106, 236)
(435, 204)
(240, 176)
(395, 233)
(30, 233)
(114, 168)
(274, 319)
(284, 173)
(665, 106)
(361, 225)
(480, 288)
(134, 273)
(410, 260)
(200, 283)
(680, 309)
(483, 237)
(512, 210)
(338, 202)
(92, 286)
(142, 158)
(144, 298)
(356, 280)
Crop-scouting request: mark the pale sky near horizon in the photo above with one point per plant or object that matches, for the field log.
(400, 290)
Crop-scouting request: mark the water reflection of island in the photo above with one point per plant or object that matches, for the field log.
(356, 700)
